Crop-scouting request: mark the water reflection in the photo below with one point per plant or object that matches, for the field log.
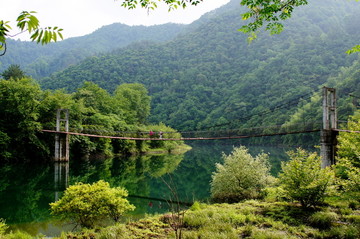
(61, 178)
(26, 191)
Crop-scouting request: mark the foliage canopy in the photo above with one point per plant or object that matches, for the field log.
(349, 143)
(88, 204)
(14, 72)
(27, 21)
(26, 110)
(152, 4)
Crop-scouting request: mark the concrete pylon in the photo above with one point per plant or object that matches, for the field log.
(328, 137)
(62, 139)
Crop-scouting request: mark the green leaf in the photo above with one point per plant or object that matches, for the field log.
(353, 49)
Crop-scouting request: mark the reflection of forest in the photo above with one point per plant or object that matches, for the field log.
(25, 192)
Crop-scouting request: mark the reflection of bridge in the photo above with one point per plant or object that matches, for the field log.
(328, 131)
(61, 182)
(61, 178)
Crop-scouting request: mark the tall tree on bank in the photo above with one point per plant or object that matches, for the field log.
(13, 72)
(19, 118)
(134, 101)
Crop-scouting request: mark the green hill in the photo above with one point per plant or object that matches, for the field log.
(211, 76)
(208, 77)
(40, 61)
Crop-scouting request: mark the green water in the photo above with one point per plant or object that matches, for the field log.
(27, 190)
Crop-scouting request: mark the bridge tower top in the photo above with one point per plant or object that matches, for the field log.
(62, 115)
(329, 108)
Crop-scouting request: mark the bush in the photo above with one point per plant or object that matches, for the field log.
(275, 194)
(344, 231)
(240, 177)
(16, 235)
(322, 220)
(87, 204)
(349, 175)
(304, 180)
(3, 226)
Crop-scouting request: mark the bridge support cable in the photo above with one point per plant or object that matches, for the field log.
(181, 138)
(328, 135)
(347, 131)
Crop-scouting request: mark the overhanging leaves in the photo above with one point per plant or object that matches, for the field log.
(27, 21)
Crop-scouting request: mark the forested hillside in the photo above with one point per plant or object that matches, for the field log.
(40, 61)
(210, 76)
(347, 85)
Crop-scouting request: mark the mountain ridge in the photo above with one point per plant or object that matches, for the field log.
(210, 76)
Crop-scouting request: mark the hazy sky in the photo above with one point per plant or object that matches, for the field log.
(81, 17)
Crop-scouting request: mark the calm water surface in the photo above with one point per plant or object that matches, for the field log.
(27, 190)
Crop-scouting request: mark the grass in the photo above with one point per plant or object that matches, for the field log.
(249, 219)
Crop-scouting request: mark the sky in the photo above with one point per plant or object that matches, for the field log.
(81, 17)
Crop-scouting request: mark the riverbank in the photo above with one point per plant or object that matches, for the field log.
(179, 149)
(337, 218)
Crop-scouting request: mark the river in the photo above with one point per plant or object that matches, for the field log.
(27, 190)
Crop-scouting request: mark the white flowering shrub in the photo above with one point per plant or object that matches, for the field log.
(242, 176)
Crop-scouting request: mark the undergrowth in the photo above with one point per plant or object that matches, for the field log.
(249, 219)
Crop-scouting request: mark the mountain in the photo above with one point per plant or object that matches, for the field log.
(210, 76)
(40, 61)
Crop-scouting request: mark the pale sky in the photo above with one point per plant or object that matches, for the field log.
(81, 17)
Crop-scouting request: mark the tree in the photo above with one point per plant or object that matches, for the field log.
(27, 21)
(348, 160)
(13, 72)
(95, 98)
(88, 204)
(304, 180)
(133, 100)
(241, 176)
(19, 102)
(270, 12)
(349, 143)
(152, 4)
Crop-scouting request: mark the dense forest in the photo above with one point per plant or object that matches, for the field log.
(27, 110)
(211, 76)
(206, 76)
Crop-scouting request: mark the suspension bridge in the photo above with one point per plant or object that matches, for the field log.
(328, 131)
(171, 136)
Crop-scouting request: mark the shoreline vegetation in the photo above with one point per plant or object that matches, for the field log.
(91, 110)
(338, 217)
(305, 201)
(179, 149)
(249, 219)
